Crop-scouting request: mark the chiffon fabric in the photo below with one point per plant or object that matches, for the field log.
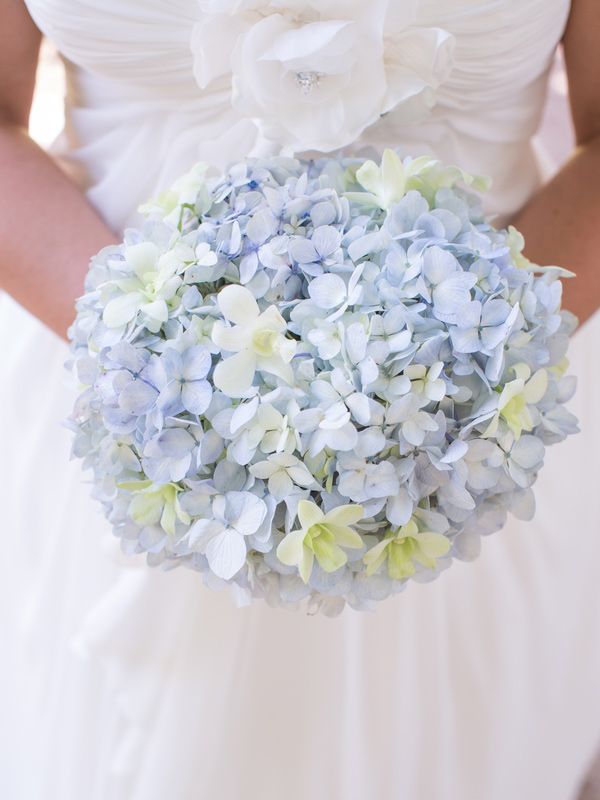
(120, 682)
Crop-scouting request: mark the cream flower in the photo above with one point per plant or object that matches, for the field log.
(150, 286)
(321, 536)
(403, 548)
(257, 340)
(314, 75)
(155, 504)
(516, 401)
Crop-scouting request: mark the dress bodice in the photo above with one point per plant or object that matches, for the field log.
(154, 85)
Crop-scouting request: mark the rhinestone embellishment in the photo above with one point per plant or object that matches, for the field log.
(307, 81)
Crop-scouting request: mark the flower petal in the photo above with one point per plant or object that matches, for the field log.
(528, 452)
(309, 514)
(290, 548)
(234, 375)
(137, 397)
(536, 386)
(244, 512)
(122, 309)
(226, 553)
(327, 291)
(280, 485)
(196, 396)
(238, 305)
(230, 339)
(263, 469)
(196, 363)
(344, 515)
(346, 537)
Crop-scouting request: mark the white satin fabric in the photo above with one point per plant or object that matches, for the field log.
(125, 683)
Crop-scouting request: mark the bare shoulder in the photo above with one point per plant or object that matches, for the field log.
(582, 55)
(19, 47)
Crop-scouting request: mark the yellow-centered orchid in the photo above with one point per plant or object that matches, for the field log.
(402, 548)
(155, 504)
(515, 399)
(321, 536)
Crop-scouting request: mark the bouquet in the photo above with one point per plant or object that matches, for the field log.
(318, 380)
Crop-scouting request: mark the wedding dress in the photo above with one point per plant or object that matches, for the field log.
(120, 682)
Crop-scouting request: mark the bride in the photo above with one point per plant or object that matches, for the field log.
(125, 683)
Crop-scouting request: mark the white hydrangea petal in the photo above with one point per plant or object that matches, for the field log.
(211, 447)
(242, 414)
(522, 505)
(196, 363)
(226, 553)
(438, 264)
(528, 452)
(360, 407)
(196, 396)
(137, 397)
(244, 511)
(399, 508)
(202, 531)
(453, 293)
(280, 485)
(327, 291)
(326, 239)
(300, 475)
(370, 442)
(303, 251)
(413, 433)
(263, 469)
(495, 312)
(456, 450)
(308, 420)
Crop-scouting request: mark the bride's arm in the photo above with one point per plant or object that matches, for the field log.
(47, 229)
(561, 224)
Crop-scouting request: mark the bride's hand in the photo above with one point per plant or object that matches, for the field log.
(561, 223)
(48, 231)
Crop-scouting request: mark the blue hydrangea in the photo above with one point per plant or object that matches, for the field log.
(320, 379)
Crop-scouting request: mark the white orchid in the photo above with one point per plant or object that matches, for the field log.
(321, 536)
(402, 548)
(189, 189)
(148, 288)
(256, 338)
(516, 403)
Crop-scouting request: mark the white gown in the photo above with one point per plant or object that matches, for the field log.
(120, 682)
